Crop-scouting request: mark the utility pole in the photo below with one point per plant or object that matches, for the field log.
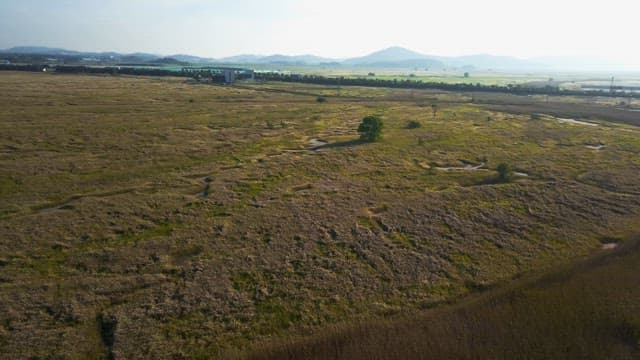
(611, 86)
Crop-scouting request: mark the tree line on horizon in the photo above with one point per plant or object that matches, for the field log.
(517, 89)
(419, 84)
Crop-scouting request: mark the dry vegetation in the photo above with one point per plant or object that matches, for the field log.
(585, 311)
(152, 217)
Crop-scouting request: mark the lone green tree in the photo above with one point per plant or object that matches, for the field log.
(505, 173)
(370, 128)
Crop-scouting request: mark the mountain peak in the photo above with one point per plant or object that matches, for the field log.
(399, 49)
(396, 53)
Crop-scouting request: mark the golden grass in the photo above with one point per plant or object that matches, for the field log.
(198, 218)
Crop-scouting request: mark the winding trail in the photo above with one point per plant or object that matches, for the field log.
(467, 167)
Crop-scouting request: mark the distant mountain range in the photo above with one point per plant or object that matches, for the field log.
(393, 57)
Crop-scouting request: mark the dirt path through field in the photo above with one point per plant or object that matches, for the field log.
(467, 167)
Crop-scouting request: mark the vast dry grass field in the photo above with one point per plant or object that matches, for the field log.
(156, 218)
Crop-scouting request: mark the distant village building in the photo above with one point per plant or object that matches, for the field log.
(229, 76)
(226, 75)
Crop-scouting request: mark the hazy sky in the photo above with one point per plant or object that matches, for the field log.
(332, 28)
